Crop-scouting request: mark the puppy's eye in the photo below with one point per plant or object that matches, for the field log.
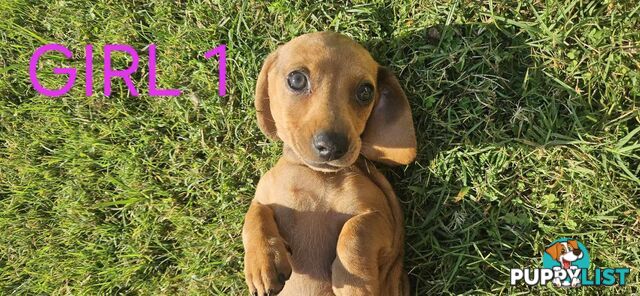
(364, 94)
(297, 81)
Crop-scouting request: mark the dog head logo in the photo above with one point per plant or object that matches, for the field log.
(566, 253)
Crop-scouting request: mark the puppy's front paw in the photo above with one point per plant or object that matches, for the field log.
(267, 266)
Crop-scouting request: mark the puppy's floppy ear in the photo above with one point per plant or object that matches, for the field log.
(263, 109)
(389, 136)
(554, 250)
(573, 243)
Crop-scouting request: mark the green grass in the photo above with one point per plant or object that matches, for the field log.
(528, 119)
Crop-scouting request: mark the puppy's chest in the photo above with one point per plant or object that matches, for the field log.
(310, 218)
(312, 212)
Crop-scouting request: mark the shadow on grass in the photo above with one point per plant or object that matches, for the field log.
(472, 210)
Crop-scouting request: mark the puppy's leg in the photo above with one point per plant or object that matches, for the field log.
(267, 256)
(362, 247)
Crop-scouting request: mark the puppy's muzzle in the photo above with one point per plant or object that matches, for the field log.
(330, 145)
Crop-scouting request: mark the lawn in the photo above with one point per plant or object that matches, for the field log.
(527, 117)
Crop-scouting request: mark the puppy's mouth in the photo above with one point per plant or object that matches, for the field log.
(326, 167)
(331, 166)
(565, 263)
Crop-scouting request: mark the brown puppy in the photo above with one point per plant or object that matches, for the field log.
(324, 221)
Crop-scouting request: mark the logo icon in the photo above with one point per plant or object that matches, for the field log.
(566, 254)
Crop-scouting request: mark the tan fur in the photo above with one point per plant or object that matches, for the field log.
(573, 244)
(554, 250)
(335, 227)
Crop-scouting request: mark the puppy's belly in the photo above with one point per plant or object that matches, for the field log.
(312, 236)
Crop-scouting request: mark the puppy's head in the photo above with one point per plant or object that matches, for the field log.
(327, 99)
(565, 252)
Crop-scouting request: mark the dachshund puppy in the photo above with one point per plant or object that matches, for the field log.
(324, 221)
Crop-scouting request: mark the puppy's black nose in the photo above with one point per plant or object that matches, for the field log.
(330, 145)
(577, 252)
